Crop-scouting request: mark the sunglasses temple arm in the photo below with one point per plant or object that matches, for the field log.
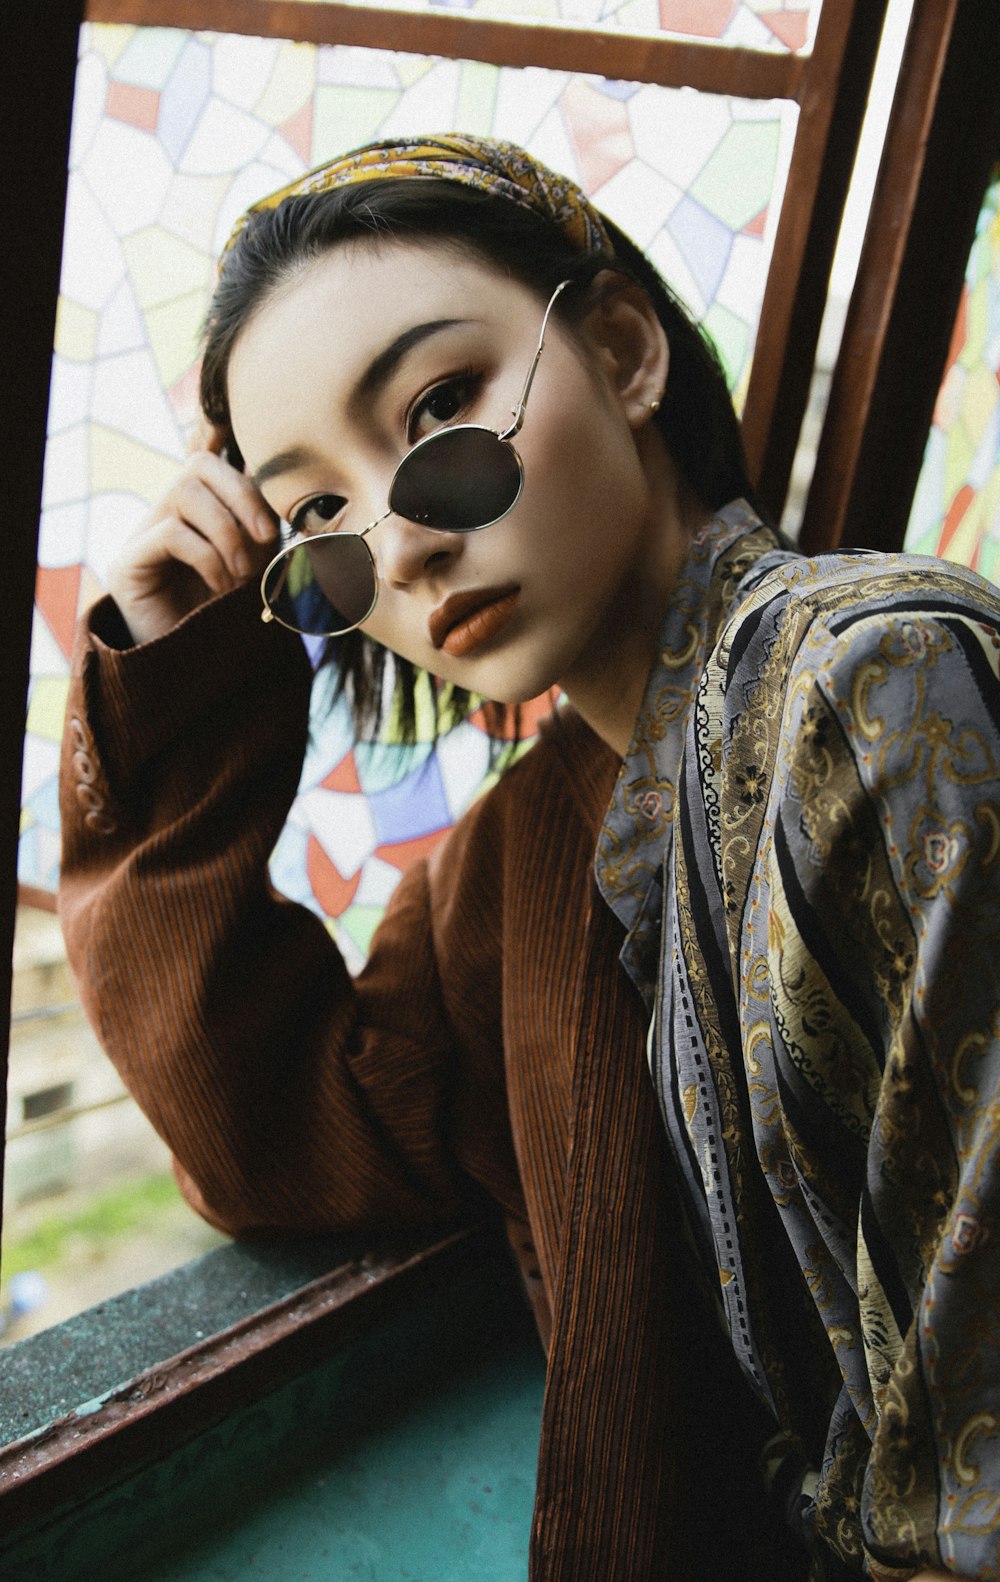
(519, 410)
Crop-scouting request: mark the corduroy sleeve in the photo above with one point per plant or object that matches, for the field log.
(291, 1095)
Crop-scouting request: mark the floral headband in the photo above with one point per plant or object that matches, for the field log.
(484, 163)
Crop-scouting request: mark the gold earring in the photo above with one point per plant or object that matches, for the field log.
(654, 406)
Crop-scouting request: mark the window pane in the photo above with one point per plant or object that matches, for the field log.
(90, 1204)
(956, 509)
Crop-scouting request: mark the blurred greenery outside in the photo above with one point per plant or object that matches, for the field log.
(124, 1211)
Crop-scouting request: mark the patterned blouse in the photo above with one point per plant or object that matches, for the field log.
(804, 848)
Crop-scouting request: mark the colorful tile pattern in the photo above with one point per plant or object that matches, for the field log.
(956, 509)
(174, 134)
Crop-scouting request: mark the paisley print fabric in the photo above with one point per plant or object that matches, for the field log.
(485, 163)
(805, 847)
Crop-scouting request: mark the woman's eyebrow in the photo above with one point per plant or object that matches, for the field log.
(284, 461)
(371, 382)
(382, 367)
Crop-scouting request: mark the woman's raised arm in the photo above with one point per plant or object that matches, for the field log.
(289, 1094)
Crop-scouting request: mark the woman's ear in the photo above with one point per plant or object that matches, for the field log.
(630, 343)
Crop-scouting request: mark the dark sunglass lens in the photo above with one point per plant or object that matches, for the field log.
(457, 480)
(323, 587)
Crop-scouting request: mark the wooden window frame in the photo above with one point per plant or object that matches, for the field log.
(36, 127)
(830, 87)
(942, 141)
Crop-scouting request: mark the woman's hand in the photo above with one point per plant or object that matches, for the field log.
(212, 530)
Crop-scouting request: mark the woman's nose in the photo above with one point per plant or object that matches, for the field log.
(407, 551)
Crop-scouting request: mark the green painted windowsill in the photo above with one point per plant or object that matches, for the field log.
(82, 1359)
(398, 1442)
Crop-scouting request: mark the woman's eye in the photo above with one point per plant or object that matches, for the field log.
(317, 515)
(443, 404)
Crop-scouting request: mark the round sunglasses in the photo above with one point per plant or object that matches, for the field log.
(456, 480)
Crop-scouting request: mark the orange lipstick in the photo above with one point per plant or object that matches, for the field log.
(467, 622)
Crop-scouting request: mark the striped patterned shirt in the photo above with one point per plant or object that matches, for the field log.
(804, 849)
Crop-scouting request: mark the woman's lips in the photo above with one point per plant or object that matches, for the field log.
(467, 621)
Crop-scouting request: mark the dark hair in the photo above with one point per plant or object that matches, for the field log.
(696, 417)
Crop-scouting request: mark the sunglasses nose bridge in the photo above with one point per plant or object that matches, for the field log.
(372, 525)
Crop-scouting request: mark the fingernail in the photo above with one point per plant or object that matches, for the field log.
(266, 525)
(241, 561)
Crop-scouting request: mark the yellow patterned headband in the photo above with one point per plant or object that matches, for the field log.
(484, 163)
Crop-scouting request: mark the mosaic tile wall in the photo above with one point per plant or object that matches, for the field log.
(956, 509)
(174, 134)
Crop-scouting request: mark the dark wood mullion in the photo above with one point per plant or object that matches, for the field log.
(832, 101)
(631, 57)
(944, 135)
(36, 119)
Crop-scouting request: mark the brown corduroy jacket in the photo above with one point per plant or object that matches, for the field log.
(493, 1046)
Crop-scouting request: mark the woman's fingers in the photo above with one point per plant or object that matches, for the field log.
(212, 530)
(235, 490)
(222, 513)
(220, 560)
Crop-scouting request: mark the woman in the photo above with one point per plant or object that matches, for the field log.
(761, 1276)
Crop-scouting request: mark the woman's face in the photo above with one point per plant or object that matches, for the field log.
(366, 351)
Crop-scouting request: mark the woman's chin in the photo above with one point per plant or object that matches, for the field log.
(507, 685)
